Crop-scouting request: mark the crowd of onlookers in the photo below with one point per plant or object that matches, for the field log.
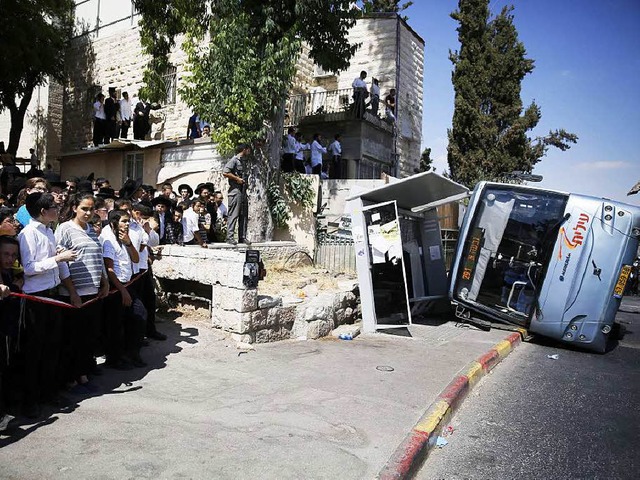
(76, 260)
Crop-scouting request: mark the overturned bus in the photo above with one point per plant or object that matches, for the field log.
(554, 263)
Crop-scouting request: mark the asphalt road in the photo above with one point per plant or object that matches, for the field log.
(536, 417)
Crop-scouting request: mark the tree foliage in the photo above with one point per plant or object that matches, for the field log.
(489, 132)
(425, 160)
(241, 55)
(372, 6)
(33, 36)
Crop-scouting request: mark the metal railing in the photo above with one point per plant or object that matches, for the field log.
(322, 102)
(335, 253)
(317, 103)
(334, 249)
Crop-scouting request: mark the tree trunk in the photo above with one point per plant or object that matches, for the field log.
(17, 120)
(264, 166)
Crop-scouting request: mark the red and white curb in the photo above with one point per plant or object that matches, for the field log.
(415, 447)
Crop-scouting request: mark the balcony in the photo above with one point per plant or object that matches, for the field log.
(330, 106)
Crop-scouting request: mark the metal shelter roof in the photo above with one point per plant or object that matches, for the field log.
(417, 193)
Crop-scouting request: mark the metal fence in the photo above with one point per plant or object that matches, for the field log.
(335, 253)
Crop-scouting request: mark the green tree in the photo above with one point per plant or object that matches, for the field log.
(372, 6)
(241, 55)
(425, 160)
(489, 133)
(241, 58)
(33, 36)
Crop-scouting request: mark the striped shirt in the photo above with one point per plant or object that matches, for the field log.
(86, 270)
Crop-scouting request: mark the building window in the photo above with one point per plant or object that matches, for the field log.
(132, 168)
(170, 85)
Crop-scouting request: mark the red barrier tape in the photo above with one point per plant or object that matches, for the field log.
(60, 303)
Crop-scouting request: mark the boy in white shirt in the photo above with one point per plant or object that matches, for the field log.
(44, 269)
(140, 215)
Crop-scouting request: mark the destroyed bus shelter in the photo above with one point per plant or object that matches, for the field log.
(398, 247)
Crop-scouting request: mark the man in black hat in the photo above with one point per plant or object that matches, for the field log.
(162, 206)
(131, 190)
(141, 125)
(185, 192)
(106, 192)
(111, 107)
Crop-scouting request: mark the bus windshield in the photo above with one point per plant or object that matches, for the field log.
(507, 249)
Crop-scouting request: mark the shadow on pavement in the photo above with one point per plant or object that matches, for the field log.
(107, 381)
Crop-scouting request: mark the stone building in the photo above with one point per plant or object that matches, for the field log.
(106, 53)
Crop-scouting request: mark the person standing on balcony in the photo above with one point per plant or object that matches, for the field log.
(141, 114)
(125, 115)
(110, 111)
(360, 94)
(375, 96)
(301, 146)
(390, 102)
(193, 129)
(335, 150)
(99, 120)
(289, 150)
(316, 154)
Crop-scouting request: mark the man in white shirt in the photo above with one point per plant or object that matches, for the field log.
(99, 120)
(289, 150)
(360, 93)
(125, 115)
(335, 150)
(316, 154)
(44, 269)
(375, 96)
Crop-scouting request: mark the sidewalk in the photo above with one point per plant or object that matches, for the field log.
(295, 409)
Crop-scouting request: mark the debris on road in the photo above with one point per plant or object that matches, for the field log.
(555, 356)
(441, 442)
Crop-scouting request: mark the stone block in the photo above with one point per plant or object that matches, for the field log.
(230, 298)
(244, 338)
(282, 316)
(231, 321)
(319, 328)
(267, 301)
(257, 320)
(272, 335)
(299, 328)
(317, 312)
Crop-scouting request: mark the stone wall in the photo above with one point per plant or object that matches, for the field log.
(245, 314)
(410, 99)
(116, 60)
(113, 61)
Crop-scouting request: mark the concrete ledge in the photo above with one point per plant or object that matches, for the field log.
(414, 449)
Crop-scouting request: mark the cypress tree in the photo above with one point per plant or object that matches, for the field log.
(489, 137)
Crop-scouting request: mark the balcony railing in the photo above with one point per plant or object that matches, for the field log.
(325, 102)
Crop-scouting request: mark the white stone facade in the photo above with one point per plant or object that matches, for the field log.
(390, 51)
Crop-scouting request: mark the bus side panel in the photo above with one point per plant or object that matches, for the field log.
(576, 299)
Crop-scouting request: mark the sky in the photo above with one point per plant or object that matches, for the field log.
(586, 80)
